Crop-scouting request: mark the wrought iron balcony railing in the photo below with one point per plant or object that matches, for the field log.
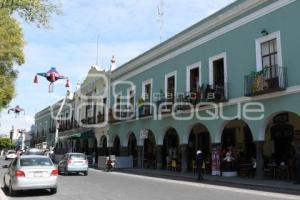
(210, 93)
(270, 79)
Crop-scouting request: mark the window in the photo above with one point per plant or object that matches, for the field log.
(118, 106)
(218, 75)
(147, 90)
(25, 162)
(193, 78)
(104, 104)
(269, 54)
(131, 99)
(218, 72)
(268, 51)
(170, 86)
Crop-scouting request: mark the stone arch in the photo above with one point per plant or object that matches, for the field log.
(103, 146)
(127, 137)
(264, 126)
(199, 138)
(149, 145)
(280, 138)
(237, 140)
(220, 128)
(170, 149)
(133, 148)
(162, 133)
(116, 148)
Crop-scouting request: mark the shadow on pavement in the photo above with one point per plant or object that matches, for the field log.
(218, 183)
(28, 193)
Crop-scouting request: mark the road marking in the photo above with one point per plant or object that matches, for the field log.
(207, 186)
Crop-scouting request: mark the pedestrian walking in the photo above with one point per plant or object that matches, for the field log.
(297, 165)
(199, 163)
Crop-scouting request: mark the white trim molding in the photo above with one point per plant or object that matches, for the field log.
(174, 73)
(144, 83)
(211, 62)
(188, 75)
(259, 41)
(134, 96)
(211, 70)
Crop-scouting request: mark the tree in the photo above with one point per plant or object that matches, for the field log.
(36, 12)
(11, 52)
(5, 143)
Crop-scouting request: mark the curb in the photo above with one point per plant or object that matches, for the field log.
(259, 187)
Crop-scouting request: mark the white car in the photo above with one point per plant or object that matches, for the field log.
(11, 154)
(30, 172)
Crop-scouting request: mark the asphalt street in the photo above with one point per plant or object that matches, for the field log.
(99, 185)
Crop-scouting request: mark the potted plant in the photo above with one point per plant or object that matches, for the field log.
(141, 101)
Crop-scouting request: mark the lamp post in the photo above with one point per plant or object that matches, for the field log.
(22, 132)
(69, 96)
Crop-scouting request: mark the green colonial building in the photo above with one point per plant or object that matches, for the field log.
(229, 83)
(228, 86)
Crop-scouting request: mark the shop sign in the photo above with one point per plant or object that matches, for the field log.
(215, 165)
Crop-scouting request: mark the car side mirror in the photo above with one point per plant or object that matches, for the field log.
(5, 166)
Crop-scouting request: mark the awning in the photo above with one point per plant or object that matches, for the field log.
(73, 136)
(84, 135)
(87, 134)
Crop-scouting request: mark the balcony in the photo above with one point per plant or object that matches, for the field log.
(100, 118)
(270, 79)
(129, 114)
(145, 111)
(209, 93)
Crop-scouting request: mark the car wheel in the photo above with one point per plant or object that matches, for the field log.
(11, 192)
(86, 173)
(53, 190)
(66, 172)
(4, 184)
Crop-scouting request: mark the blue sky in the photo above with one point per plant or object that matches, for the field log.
(126, 28)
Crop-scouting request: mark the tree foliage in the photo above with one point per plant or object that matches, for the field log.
(11, 52)
(5, 143)
(37, 12)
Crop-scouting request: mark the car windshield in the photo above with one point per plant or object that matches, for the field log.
(77, 157)
(25, 162)
(11, 152)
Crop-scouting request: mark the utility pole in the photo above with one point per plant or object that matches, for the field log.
(161, 18)
(22, 132)
(69, 95)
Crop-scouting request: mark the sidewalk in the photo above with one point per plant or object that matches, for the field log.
(246, 183)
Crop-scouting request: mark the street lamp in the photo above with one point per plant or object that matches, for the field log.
(69, 95)
(22, 132)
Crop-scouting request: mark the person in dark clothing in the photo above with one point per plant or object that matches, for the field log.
(199, 163)
(297, 165)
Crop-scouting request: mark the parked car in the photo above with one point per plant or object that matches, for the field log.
(11, 154)
(29, 172)
(73, 163)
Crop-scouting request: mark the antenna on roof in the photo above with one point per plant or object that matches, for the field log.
(97, 56)
(161, 18)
